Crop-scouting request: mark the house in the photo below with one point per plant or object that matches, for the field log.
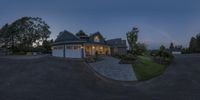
(81, 45)
(117, 46)
(71, 46)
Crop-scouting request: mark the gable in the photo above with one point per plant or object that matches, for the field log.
(97, 38)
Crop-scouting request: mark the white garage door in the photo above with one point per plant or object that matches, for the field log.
(58, 51)
(73, 51)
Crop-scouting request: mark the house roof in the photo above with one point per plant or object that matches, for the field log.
(66, 36)
(116, 39)
(118, 42)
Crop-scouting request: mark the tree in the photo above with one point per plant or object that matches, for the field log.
(132, 38)
(171, 48)
(140, 48)
(47, 46)
(81, 33)
(162, 48)
(198, 43)
(22, 33)
(4, 36)
(178, 47)
(193, 44)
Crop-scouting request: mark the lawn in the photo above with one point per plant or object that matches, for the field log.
(146, 68)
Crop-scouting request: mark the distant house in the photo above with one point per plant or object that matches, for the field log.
(117, 46)
(81, 46)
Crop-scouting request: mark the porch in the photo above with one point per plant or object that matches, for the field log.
(93, 49)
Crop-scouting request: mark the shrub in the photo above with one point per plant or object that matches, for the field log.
(163, 57)
(119, 56)
(127, 59)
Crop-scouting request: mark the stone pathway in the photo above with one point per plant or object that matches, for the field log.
(110, 68)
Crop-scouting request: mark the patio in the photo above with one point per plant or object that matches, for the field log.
(110, 68)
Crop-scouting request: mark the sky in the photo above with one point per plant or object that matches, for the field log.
(159, 21)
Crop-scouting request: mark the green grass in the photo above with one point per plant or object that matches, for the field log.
(146, 68)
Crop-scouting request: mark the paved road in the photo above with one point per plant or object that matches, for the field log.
(50, 78)
(181, 81)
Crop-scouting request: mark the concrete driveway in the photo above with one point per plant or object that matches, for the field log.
(50, 78)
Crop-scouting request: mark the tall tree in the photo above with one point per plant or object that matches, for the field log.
(132, 38)
(192, 45)
(198, 43)
(4, 38)
(171, 47)
(81, 33)
(47, 45)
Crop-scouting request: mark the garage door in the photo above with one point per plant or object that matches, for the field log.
(73, 51)
(58, 51)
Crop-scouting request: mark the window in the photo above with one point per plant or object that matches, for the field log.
(68, 47)
(77, 47)
(57, 47)
(96, 39)
(73, 47)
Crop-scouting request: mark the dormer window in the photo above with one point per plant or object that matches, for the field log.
(96, 39)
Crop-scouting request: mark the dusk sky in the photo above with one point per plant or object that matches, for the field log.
(159, 21)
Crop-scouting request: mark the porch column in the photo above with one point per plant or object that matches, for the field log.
(82, 51)
(93, 50)
(109, 52)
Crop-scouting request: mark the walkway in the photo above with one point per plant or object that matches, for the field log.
(110, 68)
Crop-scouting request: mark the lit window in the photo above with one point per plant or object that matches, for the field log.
(96, 39)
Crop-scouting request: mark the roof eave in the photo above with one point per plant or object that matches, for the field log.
(68, 42)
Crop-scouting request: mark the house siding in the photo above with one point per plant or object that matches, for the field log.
(118, 46)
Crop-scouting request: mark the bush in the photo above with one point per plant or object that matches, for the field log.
(185, 51)
(119, 56)
(163, 57)
(92, 59)
(141, 49)
(20, 53)
(128, 59)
